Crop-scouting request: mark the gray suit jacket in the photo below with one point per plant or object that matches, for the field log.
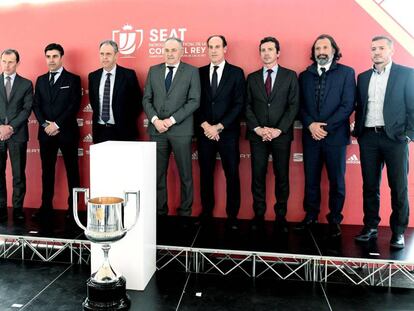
(182, 99)
(16, 111)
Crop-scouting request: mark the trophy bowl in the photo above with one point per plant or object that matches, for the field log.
(105, 225)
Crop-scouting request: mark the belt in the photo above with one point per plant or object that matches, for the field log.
(376, 129)
(106, 125)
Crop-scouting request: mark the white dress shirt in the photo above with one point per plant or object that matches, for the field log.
(111, 92)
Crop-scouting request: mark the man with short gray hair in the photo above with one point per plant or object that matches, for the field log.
(115, 97)
(384, 125)
(171, 95)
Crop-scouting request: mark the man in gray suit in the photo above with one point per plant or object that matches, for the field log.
(171, 95)
(16, 97)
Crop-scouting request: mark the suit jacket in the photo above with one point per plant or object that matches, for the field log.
(398, 103)
(17, 110)
(337, 104)
(227, 103)
(126, 101)
(278, 110)
(180, 102)
(59, 104)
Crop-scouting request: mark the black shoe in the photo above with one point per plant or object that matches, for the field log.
(280, 225)
(397, 241)
(257, 223)
(232, 223)
(18, 216)
(367, 234)
(307, 223)
(334, 230)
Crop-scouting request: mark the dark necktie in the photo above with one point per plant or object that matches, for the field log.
(52, 78)
(168, 78)
(105, 99)
(214, 81)
(321, 77)
(8, 87)
(268, 82)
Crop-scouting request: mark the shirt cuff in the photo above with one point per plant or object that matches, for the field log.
(172, 120)
(154, 118)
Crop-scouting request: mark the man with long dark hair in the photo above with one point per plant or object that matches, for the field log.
(327, 100)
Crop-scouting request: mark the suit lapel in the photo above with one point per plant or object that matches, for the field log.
(15, 87)
(260, 83)
(364, 92)
(54, 91)
(277, 83)
(205, 80)
(3, 101)
(119, 78)
(177, 77)
(390, 86)
(224, 78)
(161, 77)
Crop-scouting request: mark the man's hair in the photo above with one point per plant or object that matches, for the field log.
(180, 42)
(270, 39)
(111, 43)
(10, 52)
(55, 46)
(383, 37)
(219, 36)
(337, 54)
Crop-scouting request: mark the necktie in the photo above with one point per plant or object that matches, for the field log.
(105, 99)
(168, 78)
(214, 81)
(268, 82)
(321, 77)
(8, 87)
(52, 78)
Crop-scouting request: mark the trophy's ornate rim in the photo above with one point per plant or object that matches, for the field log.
(106, 200)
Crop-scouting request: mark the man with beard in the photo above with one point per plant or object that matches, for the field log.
(327, 100)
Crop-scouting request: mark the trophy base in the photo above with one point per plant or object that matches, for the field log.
(108, 297)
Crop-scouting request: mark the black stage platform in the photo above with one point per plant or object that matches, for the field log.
(210, 267)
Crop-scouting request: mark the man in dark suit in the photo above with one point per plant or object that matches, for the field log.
(56, 104)
(115, 98)
(171, 95)
(16, 97)
(384, 125)
(218, 128)
(271, 107)
(327, 101)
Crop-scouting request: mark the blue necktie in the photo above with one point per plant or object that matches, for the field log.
(105, 99)
(168, 78)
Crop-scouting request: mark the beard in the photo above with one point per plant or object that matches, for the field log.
(323, 59)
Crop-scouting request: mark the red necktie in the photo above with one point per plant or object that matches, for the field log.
(268, 82)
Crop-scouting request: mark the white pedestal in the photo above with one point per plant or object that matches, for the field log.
(115, 167)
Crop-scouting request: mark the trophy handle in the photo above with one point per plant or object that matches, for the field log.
(75, 204)
(137, 211)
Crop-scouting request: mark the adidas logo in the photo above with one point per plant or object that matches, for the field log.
(88, 108)
(353, 159)
(297, 157)
(88, 138)
(194, 155)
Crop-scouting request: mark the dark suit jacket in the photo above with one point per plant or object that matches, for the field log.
(228, 102)
(59, 104)
(19, 107)
(180, 102)
(278, 110)
(337, 104)
(126, 101)
(398, 103)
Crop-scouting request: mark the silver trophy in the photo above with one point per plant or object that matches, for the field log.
(105, 225)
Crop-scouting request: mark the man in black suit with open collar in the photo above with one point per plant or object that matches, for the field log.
(56, 105)
(115, 97)
(271, 107)
(218, 128)
(384, 125)
(16, 98)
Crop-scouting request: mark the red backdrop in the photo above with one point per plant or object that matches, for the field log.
(80, 25)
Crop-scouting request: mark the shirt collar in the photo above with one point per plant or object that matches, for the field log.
(387, 68)
(175, 66)
(59, 71)
(274, 68)
(220, 66)
(13, 76)
(112, 71)
(326, 66)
